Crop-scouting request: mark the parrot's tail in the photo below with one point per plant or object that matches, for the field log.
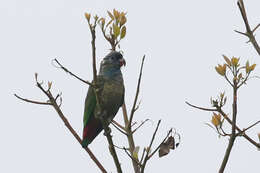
(90, 131)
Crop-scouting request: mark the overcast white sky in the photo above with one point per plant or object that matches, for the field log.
(182, 40)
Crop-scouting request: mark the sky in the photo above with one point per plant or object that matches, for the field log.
(183, 41)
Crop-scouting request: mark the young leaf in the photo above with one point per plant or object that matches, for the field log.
(116, 30)
(122, 19)
(234, 61)
(247, 67)
(110, 15)
(252, 67)
(87, 15)
(221, 69)
(123, 32)
(227, 60)
(135, 152)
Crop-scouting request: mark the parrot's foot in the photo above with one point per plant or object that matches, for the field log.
(108, 132)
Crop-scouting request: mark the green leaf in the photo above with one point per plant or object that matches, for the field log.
(227, 60)
(123, 32)
(135, 152)
(110, 15)
(116, 30)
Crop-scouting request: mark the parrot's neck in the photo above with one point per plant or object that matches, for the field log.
(110, 73)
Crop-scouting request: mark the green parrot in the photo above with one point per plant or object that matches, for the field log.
(111, 87)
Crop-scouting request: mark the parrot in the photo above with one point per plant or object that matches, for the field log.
(110, 85)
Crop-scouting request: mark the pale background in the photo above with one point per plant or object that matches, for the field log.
(182, 40)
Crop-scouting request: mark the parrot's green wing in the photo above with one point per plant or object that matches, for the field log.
(90, 101)
(90, 105)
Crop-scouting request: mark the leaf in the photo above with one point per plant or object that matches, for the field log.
(252, 67)
(171, 142)
(123, 32)
(240, 76)
(116, 30)
(166, 146)
(227, 60)
(49, 85)
(87, 15)
(102, 22)
(258, 136)
(164, 150)
(234, 61)
(96, 17)
(247, 67)
(110, 15)
(122, 19)
(135, 152)
(216, 119)
(116, 14)
(221, 69)
(109, 23)
(148, 149)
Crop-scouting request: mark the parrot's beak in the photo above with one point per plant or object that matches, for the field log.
(122, 62)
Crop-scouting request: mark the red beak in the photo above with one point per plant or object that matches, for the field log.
(122, 62)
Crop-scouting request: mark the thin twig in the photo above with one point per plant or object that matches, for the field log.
(130, 138)
(201, 108)
(136, 95)
(133, 159)
(249, 127)
(32, 101)
(118, 128)
(118, 125)
(140, 125)
(72, 74)
(149, 148)
(238, 129)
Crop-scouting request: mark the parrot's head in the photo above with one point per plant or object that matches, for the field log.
(113, 60)
(111, 64)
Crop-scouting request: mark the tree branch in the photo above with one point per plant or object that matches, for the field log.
(157, 148)
(32, 101)
(149, 148)
(249, 33)
(233, 132)
(136, 95)
(64, 119)
(72, 74)
(142, 123)
(201, 108)
(238, 129)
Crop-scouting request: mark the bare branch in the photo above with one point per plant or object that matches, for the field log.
(149, 148)
(238, 129)
(133, 159)
(72, 74)
(136, 95)
(32, 101)
(249, 33)
(158, 147)
(117, 127)
(201, 108)
(244, 130)
(130, 138)
(142, 123)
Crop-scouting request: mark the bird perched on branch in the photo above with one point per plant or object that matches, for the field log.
(111, 91)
